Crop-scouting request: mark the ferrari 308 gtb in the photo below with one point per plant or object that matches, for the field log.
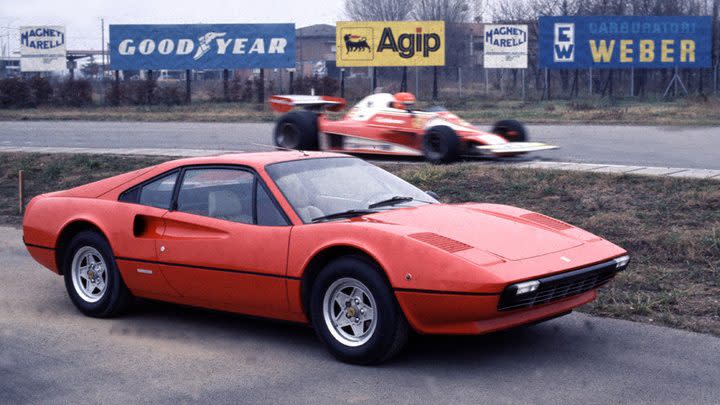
(318, 238)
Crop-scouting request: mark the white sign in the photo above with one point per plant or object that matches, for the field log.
(506, 46)
(42, 49)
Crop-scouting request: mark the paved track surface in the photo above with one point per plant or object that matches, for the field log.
(161, 353)
(687, 147)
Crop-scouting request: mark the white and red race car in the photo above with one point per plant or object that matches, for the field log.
(386, 123)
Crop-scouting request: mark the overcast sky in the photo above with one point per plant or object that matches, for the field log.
(82, 18)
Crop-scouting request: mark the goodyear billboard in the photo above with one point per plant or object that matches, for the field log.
(624, 42)
(390, 43)
(202, 46)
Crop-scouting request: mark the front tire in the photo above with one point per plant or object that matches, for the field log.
(511, 130)
(297, 130)
(441, 145)
(92, 278)
(354, 312)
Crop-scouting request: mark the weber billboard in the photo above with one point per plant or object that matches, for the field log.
(42, 49)
(390, 43)
(202, 46)
(625, 42)
(505, 46)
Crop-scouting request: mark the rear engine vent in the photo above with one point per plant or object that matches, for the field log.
(546, 221)
(446, 244)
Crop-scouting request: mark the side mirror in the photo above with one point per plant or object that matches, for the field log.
(433, 194)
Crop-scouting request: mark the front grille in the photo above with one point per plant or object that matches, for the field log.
(560, 286)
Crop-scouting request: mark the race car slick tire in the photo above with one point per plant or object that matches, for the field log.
(511, 130)
(354, 312)
(441, 145)
(297, 130)
(92, 278)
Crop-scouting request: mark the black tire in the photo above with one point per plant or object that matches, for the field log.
(390, 331)
(116, 297)
(511, 130)
(441, 145)
(297, 130)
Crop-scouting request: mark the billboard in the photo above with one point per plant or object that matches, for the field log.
(619, 42)
(390, 43)
(202, 46)
(42, 49)
(505, 46)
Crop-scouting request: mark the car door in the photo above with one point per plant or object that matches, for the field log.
(218, 249)
(140, 212)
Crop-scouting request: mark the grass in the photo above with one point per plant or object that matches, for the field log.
(671, 226)
(687, 111)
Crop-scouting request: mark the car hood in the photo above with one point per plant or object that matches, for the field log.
(508, 232)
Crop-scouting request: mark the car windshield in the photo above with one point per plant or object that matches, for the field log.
(342, 187)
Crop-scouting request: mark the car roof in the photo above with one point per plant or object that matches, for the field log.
(256, 160)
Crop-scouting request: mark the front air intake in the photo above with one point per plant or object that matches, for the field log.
(546, 221)
(441, 242)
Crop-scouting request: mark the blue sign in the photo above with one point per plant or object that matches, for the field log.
(619, 42)
(202, 46)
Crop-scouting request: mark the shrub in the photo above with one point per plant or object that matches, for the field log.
(168, 95)
(41, 89)
(76, 93)
(15, 93)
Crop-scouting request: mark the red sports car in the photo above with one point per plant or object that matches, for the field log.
(314, 237)
(386, 123)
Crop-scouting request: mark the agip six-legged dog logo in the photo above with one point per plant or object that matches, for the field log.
(355, 43)
(359, 43)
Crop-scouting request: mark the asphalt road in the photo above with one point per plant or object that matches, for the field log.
(161, 353)
(687, 147)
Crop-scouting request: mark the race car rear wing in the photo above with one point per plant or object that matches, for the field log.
(286, 103)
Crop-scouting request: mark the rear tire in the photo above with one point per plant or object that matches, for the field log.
(511, 130)
(441, 145)
(354, 312)
(92, 278)
(297, 130)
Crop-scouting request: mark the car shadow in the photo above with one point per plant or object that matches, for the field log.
(549, 340)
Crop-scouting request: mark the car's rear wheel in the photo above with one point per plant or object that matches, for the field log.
(355, 314)
(297, 130)
(511, 130)
(92, 278)
(441, 145)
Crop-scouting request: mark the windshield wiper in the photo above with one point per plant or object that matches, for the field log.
(344, 214)
(390, 201)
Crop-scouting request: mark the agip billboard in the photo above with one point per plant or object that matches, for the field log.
(390, 43)
(625, 42)
(202, 46)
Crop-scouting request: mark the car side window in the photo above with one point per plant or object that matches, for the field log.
(268, 214)
(218, 193)
(157, 193)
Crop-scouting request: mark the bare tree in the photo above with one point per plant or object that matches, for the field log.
(443, 10)
(378, 10)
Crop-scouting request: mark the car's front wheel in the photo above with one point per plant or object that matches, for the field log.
(355, 314)
(92, 278)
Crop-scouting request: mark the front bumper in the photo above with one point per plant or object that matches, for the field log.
(453, 314)
(477, 313)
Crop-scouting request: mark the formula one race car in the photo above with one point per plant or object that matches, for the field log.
(386, 123)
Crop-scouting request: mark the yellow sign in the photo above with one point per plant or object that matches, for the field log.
(390, 43)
